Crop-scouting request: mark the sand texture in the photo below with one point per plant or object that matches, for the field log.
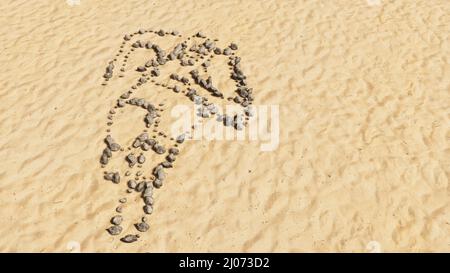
(363, 161)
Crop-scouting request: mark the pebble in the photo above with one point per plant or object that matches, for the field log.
(132, 184)
(130, 238)
(227, 51)
(123, 200)
(174, 151)
(114, 230)
(136, 143)
(131, 158)
(141, 159)
(112, 145)
(148, 209)
(171, 158)
(116, 220)
(166, 164)
(141, 69)
(140, 187)
(157, 183)
(159, 149)
(148, 200)
(142, 227)
(233, 46)
(148, 191)
(151, 142)
(180, 138)
(200, 35)
(143, 137)
(119, 209)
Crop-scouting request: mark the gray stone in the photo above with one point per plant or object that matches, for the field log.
(132, 184)
(148, 200)
(180, 138)
(233, 46)
(142, 227)
(159, 149)
(171, 158)
(148, 209)
(141, 159)
(145, 146)
(114, 230)
(131, 158)
(166, 164)
(148, 191)
(227, 51)
(141, 69)
(136, 143)
(157, 183)
(130, 238)
(116, 220)
(140, 186)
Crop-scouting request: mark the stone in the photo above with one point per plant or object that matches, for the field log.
(114, 177)
(145, 146)
(120, 103)
(141, 159)
(159, 149)
(151, 142)
(104, 159)
(114, 230)
(174, 151)
(140, 186)
(166, 164)
(131, 158)
(141, 69)
(157, 183)
(112, 145)
(160, 174)
(148, 200)
(136, 143)
(130, 238)
(148, 209)
(143, 137)
(227, 51)
(180, 139)
(132, 184)
(200, 35)
(233, 46)
(119, 209)
(171, 158)
(148, 191)
(116, 220)
(142, 227)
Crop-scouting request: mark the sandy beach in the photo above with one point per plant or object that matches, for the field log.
(362, 162)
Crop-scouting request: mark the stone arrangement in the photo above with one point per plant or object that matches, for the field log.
(196, 51)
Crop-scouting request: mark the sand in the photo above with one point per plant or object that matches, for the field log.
(363, 162)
